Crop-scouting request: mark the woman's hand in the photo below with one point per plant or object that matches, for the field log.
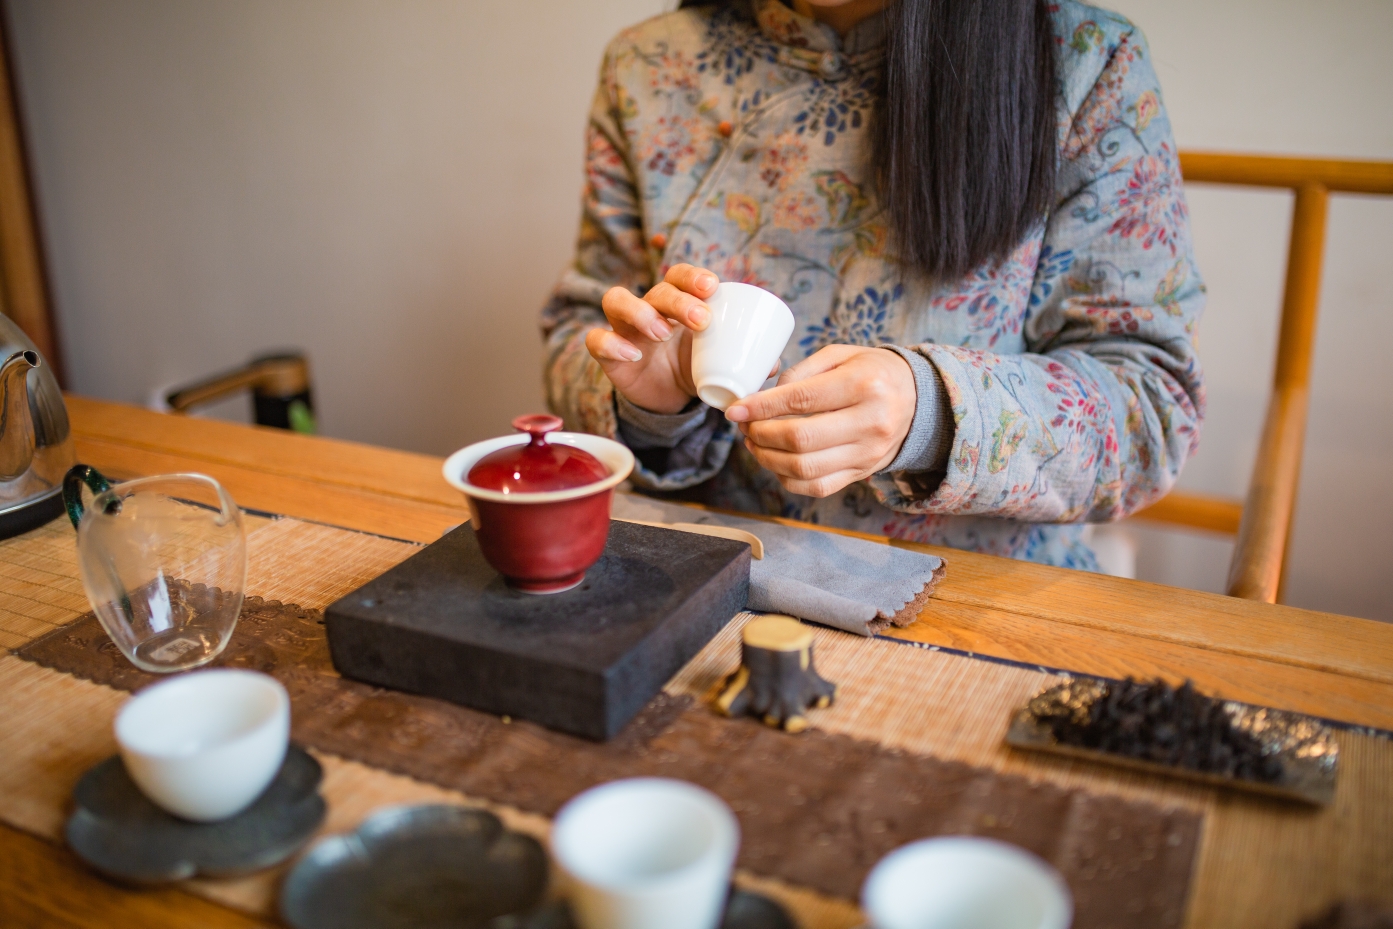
(648, 356)
(854, 407)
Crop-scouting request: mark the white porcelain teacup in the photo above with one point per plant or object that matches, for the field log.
(205, 745)
(646, 853)
(965, 882)
(732, 356)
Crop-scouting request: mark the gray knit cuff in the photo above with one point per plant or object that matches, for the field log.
(642, 428)
(930, 437)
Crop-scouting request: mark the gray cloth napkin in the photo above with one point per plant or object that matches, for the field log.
(836, 580)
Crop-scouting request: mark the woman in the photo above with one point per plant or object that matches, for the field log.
(974, 210)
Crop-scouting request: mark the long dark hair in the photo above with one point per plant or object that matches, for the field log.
(963, 138)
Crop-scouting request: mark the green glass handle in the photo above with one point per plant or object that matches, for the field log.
(72, 488)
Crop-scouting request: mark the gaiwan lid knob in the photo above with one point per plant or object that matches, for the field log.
(539, 466)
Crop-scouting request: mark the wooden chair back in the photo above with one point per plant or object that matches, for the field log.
(1263, 522)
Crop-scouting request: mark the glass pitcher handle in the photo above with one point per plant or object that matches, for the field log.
(72, 488)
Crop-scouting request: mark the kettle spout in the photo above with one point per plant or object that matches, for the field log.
(16, 425)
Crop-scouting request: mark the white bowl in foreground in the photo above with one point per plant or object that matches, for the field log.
(647, 853)
(205, 745)
(964, 882)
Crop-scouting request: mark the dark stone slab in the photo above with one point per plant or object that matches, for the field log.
(444, 624)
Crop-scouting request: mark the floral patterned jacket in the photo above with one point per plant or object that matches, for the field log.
(734, 138)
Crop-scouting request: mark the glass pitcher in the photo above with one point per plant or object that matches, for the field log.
(164, 563)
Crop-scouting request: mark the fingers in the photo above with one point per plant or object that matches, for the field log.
(610, 346)
(821, 361)
(823, 486)
(814, 474)
(812, 433)
(805, 466)
(824, 392)
(634, 319)
(696, 281)
(679, 305)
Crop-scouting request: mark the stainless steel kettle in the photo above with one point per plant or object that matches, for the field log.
(36, 445)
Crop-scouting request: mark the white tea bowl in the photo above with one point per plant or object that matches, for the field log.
(732, 356)
(965, 882)
(646, 853)
(205, 745)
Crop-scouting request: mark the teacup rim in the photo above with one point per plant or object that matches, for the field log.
(1058, 902)
(194, 679)
(457, 465)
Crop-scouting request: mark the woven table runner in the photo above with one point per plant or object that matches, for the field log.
(916, 734)
(815, 809)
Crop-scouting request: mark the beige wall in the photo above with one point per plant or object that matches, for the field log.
(393, 186)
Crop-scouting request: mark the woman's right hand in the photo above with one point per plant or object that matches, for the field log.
(648, 356)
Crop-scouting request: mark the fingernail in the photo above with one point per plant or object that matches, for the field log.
(631, 354)
(699, 315)
(738, 414)
(661, 331)
(706, 281)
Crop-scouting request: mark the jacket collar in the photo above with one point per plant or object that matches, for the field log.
(806, 43)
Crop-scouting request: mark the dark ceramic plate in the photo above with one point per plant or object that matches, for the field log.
(122, 834)
(416, 867)
(744, 910)
(433, 867)
(1306, 746)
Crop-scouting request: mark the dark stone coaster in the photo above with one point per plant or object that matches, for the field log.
(416, 867)
(744, 910)
(444, 624)
(118, 831)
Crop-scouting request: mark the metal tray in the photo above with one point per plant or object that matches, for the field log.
(1310, 755)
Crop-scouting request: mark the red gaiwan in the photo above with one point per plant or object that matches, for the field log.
(540, 502)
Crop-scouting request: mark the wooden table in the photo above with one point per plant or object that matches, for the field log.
(1319, 663)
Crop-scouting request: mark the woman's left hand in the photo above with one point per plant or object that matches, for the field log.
(854, 407)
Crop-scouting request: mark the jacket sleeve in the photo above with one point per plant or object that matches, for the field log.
(611, 250)
(1097, 418)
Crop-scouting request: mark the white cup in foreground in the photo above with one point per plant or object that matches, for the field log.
(646, 853)
(732, 356)
(963, 882)
(205, 745)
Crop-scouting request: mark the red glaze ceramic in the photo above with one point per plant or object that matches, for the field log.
(540, 508)
(538, 466)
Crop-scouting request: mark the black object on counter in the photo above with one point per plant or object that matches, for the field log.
(118, 831)
(444, 624)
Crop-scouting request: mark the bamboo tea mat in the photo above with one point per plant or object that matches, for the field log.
(1257, 857)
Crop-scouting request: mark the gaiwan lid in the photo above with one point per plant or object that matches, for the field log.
(539, 466)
